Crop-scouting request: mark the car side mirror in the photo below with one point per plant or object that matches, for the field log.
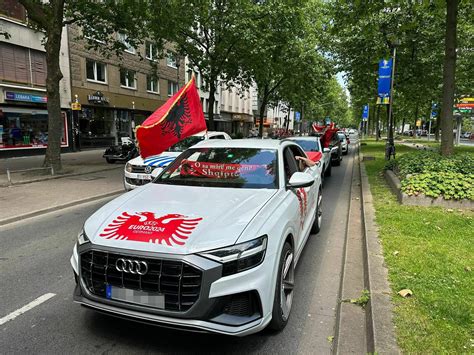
(326, 150)
(300, 179)
(156, 172)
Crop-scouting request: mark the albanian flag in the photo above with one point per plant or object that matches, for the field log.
(180, 117)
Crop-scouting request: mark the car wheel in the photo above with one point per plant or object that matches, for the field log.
(110, 161)
(316, 227)
(328, 170)
(284, 288)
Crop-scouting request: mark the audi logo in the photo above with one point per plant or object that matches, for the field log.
(131, 266)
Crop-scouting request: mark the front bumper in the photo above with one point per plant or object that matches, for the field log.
(209, 314)
(132, 180)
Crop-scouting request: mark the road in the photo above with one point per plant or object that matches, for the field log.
(34, 261)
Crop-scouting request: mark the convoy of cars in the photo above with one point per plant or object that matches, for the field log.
(211, 244)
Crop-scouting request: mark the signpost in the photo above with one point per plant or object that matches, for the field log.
(297, 116)
(385, 81)
(365, 118)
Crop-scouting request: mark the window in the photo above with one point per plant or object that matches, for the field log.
(152, 84)
(22, 65)
(127, 79)
(151, 52)
(172, 88)
(95, 71)
(13, 9)
(124, 39)
(171, 60)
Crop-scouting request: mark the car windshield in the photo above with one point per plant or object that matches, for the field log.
(185, 144)
(224, 167)
(307, 145)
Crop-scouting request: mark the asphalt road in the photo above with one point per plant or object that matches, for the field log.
(34, 261)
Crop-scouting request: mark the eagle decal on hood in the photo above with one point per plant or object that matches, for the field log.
(170, 229)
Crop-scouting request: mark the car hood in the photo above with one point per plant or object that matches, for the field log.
(159, 160)
(176, 219)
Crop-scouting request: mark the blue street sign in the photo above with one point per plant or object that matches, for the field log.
(297, 116)
(327, 120)
(434, 108)
(385, 75)
(365, 113)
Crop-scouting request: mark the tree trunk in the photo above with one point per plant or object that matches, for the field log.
(210, 109)
(263, 110)
(54, 75)
(449, 79)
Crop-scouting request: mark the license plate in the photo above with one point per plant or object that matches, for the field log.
(135, 296)
(144, 177)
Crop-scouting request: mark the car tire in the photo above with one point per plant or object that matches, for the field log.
(316, 227)
(110, 161)
(282, 309)
(328, 170)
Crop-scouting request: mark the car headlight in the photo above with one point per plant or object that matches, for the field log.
(128, 168)
(239, 257)
(82, 238)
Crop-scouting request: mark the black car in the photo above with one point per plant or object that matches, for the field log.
(336, 149)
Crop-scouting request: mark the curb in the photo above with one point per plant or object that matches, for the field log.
(56, 177)
(59, 207)
(379, 309)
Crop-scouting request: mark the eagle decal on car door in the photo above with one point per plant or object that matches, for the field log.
(171, 229)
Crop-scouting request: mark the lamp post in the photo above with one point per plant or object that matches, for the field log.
(390, 145)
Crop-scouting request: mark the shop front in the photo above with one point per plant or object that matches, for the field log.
(242, 124)
(24, 123)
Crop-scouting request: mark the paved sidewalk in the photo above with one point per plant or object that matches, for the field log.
(27, 200)
(77, 163)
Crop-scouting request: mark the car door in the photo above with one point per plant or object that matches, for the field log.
(301, 200)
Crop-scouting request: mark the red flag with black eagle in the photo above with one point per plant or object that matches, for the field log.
(180, 117)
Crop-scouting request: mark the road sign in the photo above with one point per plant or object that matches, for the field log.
(365, 113)
(76, 106)
(385, 76)
(297, 116)
(327, 120)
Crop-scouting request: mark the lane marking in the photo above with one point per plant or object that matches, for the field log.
(26, 308)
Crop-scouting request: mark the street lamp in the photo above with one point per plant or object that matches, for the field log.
(390, 145)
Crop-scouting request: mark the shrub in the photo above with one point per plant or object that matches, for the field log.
(427, 172)
(450, 185)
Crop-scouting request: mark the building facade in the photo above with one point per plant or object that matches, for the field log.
(23, 99)
(117, 94)
(236, 108)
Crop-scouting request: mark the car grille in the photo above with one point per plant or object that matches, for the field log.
(139, 169)
(136, 182)
(179, 282)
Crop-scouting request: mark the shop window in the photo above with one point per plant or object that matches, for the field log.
(172, 88)
(171, 60)
(151, 51)
(13, 9)
(124, 40)
(95, 71)
(128, 79)
(152, 84)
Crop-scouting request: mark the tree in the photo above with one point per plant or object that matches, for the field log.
(449, 80)
(211, 34)
(100, 19)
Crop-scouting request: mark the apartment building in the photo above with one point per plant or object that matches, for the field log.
(23, 113)
(118, 93)
(236, 109)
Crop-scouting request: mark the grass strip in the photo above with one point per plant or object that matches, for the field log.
(428, 250)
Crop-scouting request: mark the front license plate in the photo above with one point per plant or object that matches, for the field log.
(144, 177)
(135, 296)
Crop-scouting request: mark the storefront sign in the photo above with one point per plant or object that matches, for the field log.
(97, 98)
(21, 96)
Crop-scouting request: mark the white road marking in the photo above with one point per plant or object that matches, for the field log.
(26, 308)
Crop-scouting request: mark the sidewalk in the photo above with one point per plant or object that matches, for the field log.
(77, 163)
(27, 200)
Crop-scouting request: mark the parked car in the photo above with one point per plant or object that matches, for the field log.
(313, 149)
(344, 145)
(121, 153)
(139, 171)
(210, 245)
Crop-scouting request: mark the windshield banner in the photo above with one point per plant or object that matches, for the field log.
(217, 170)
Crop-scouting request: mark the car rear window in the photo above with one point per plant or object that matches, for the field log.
(224, 167)
(307, 145)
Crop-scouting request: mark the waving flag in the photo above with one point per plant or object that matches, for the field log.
(180, 117)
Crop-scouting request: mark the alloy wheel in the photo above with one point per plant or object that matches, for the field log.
(287, 284)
